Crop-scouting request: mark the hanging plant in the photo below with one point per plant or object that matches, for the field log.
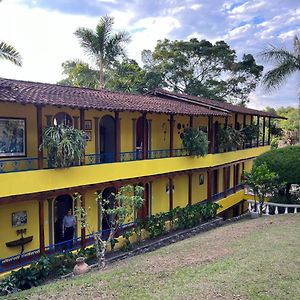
(65, 145)
(229, 137)
(250, 132)
(195, 142)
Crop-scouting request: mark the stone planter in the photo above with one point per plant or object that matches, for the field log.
(81, 266)
(254, 214)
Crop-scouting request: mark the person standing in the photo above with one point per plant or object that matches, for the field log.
(68, 227)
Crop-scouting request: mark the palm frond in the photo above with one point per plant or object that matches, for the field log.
(277, 76)
(8, 52)
(277, 55)
(88, 41)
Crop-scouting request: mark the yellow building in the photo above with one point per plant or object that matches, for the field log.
(132, 139)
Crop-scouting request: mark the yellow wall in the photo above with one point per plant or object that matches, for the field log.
(183, 122)
(160, 131)
(8, 233)
(180, 195)
(199, 190)
(160, 198)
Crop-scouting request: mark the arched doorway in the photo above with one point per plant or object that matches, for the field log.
(143, 212)
(140, 137)
(61, 206)
(107, 139)
(109, 202)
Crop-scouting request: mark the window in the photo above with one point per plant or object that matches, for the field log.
(62, 118)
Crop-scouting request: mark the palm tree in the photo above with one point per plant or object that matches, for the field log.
(102, 46)
(286, 63)
(8, 52)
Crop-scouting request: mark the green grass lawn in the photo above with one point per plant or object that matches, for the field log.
(251, 259)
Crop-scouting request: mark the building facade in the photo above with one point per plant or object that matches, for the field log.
(131, 139)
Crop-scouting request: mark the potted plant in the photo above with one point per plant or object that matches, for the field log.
(250, 132)
(195, 142)
(65, 145)
(229, 138)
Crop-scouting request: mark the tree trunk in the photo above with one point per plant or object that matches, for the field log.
(101, 75)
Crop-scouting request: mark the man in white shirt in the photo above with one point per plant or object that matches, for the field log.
(68, 226)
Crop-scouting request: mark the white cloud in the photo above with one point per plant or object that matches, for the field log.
(237, 32)
(289, 34)
(195, 6)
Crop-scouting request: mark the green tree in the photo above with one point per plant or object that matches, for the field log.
(79, 74)
(285, 63)
(127, 200)
(102, 45)
(204, 69)
(262, 181)
(285, 162)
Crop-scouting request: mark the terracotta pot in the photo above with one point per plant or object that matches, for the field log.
(81, 267)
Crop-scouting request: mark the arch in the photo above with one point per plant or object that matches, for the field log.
(107, 194)
(140, 138)
(107, 139)
(62, 204)
(62, 118)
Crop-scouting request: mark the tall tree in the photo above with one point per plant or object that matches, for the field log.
(285, 63)
(102, 45)
(79, 74)
(204, 69)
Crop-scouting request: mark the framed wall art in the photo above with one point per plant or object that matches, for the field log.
(12, 137)
(88, 135)
(19, 218)
(88, 125)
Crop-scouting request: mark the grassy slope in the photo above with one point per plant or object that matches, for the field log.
(253, 259)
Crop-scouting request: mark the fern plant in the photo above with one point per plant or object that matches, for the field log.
(65, 145)
(195, 142)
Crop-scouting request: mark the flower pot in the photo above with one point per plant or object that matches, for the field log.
(81, 266)
(254, 214)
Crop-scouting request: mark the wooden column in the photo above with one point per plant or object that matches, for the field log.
(83, 240)
(145, 210)
(191, 121)
(235, 120)
(234, 178)
(170, 193)
(82, 111)
(244, 125)
(257, 140)
(145, 141)
(225, 179)
(39, 117)
(226, 122)
(97, 151)
(41, 226)
(210, 134)
(264, 131)
(190, 192)
(117, 137)
(209, 187)
(171, 135)
(269, 131)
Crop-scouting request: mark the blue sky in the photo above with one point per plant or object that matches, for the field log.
(43, 31)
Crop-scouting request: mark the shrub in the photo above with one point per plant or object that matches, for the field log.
(229, 137)
(250, 132)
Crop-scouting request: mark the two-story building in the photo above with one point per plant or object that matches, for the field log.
(131, 139)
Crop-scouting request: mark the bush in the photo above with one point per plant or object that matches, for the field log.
(229, 137)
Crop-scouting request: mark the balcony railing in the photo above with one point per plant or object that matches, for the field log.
(28, 164)
(229, 192)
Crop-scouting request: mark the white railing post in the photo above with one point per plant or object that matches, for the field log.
(295, 210)
(276, 210)
(267, 209)
(286, 210)
(249, 206)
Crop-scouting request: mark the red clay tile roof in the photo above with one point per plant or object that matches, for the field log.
(50, 94)
(212, 103)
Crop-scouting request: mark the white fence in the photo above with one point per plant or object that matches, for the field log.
(267, 205)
